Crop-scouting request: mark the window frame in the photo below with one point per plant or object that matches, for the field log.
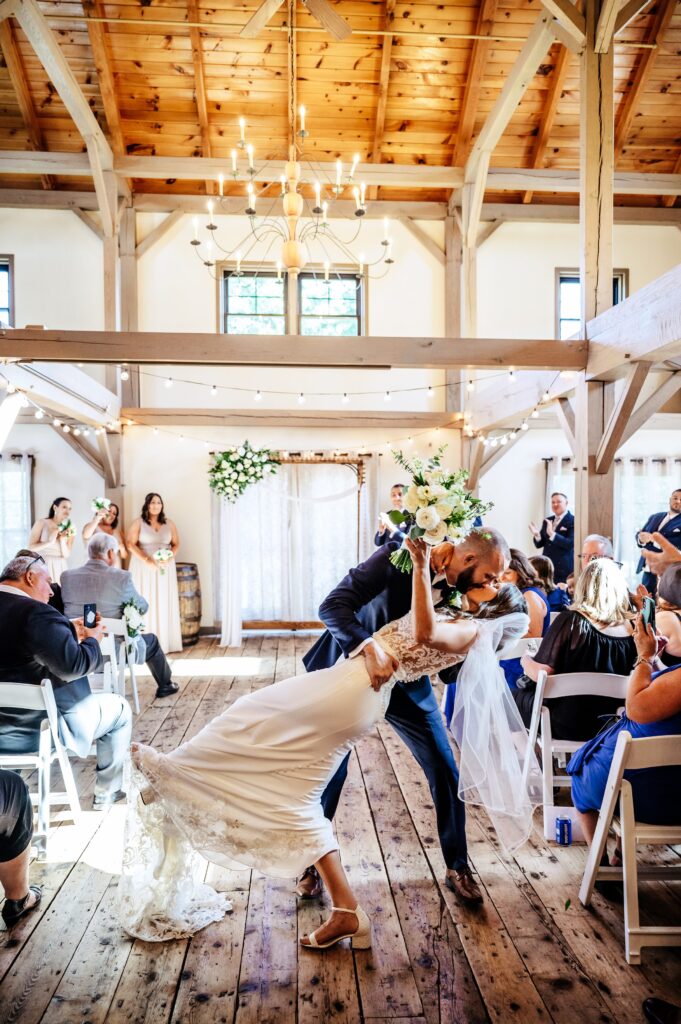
(343, 270)
(8, 260)
(225, 268)
(619, 273)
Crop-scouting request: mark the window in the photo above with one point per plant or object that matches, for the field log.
(253, 303)
(15, 504)
(332, 307)
(569, 295)
(642, 486)
(6, 291)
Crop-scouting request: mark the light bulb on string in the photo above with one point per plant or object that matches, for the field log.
(535, 414)
(512, 376)
(504, 440)
(76, 432)
(546, 397)
(57, 422)
(39, 414)
(169, 382)
(430, 392)
(155, 431)
(124, 373)
(66, 428)
(301, 399)
(470, 387)
(524, 425)
(257, 397)
(493, 442)
(346, 398)
(214, 391)
(387, 396)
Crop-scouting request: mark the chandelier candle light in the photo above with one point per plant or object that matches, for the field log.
(304, 232)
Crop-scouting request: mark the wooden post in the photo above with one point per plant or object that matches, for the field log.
(130, 391)
(110, 255)
(453, 391)
(594, 400)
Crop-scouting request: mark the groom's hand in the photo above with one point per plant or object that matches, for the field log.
(379, 664)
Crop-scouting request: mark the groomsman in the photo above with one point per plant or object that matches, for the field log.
(669, 525)
(387, 530)
(557, 537)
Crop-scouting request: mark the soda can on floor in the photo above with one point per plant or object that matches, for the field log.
(563, 831)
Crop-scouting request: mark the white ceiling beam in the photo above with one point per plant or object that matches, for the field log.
(159, 232)
(290, 418)
(10, 407)
(616, 426)
(651, 406)
(64, 390)
(566, 418)
(569, 214)
(424, 239)
(85, 451)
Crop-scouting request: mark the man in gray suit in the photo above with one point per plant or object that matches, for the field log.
(100, 582)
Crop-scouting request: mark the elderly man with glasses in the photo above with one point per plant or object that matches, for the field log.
(38, 642)
(597, 546)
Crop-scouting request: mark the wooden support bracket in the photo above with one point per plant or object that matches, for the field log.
(614, 431)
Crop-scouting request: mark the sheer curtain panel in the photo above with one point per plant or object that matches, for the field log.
(15, 504)
(642, 486)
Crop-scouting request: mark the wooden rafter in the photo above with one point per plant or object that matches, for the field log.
(554, 93)
(607, 23)
(200, 84)
(652, 405)
(630, 103)
(670, 200)
(567, 15)
(383, 85)
(17, 74)
(629, 12)
(474, 78)
(617, 424)
(98, 36)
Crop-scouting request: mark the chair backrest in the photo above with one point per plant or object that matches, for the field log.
(29, 697)
(552, 617)
(116, 627)
(526, 645)
(650, 752)
(586, 684)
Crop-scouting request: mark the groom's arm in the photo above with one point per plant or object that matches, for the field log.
(362, 584)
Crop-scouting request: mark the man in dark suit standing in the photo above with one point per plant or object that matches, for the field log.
(387, 530)
(37, 642)
(557, 537)
(669, 525)
(371, 595)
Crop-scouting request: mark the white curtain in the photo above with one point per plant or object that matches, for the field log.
(15, 504)
(287, 542)
(642, 486)
(560, 477)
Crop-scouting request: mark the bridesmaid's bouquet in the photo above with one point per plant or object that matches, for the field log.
(66, 529)
(237, 468)
(162, 556)
(437, 502)
(100, 504)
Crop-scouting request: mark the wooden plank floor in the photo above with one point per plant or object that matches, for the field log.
(532, 953)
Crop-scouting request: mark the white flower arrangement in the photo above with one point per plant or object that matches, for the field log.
(437, 503)
(132, 615)
(66, 529)
(162, 556)
(100, 505)
(237, 468)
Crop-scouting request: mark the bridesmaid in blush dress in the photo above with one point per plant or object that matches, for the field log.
(157, 581)
(53, 539)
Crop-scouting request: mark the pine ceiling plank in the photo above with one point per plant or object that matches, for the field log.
(549, 112)
(479, 53)
(17, 74)
(383, 85)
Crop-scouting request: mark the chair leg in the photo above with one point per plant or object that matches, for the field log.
(69, 781)
(133, 687)
(44, 770)
(632, 942)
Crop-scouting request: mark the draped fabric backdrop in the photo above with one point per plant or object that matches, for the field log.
(642, 486)
(288, 541)
(15, 504)
(560, 476)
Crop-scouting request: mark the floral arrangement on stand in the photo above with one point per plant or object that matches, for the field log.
(237, 468)
(162, 556)
(437, 502)
(100, 505)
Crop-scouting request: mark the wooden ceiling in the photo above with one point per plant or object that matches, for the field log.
(407, 86)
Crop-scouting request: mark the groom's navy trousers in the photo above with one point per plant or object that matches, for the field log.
(371, 595)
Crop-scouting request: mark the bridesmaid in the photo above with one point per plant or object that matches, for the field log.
(106, 521)
(53, 539)
(154, 580)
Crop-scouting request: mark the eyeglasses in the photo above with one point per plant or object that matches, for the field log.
(38, 558)
(594, 558)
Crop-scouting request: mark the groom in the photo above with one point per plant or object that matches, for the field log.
(371, 595)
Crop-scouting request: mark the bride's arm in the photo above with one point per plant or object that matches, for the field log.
(453, 637)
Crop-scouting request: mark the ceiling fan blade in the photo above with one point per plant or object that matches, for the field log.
(260, 18)
(332, 22)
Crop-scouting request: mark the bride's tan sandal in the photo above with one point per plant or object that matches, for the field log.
(359, 939)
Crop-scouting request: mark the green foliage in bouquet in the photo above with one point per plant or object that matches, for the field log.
(237, 468)
(437, 504)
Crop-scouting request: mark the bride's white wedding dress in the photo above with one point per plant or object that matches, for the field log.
(245, 791)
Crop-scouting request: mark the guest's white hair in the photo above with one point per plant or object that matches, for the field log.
(101, 544)
(16, 569)
(605, 542)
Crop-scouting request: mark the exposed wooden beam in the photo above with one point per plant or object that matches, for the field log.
(474, 79)
(477, 451)
(290, 350)
(652, 405)
(670, 200)
(486, 231)
(10, 407)
(452, 300)
(614, 431)
(567, 214)
(519, 78)
(645, 62)
(290, 418)
(99, 42)
(566, 418)
(110, 270)
(17, 76)
(497, 454)
(65, 390)
(383, 86)
(159, 232)
(629, 12)
(88, 220)
(504, 401)
(424, 239)
(607, 21)
(567, 15)
(109, 460)
(86, 452)
(553, 96)
(128, 272)
(200, 95)
(594, 492)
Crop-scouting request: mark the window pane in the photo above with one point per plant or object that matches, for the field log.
(568, 328)
(570, 299)
(254, 304)
(255, 325)
(330, 307)
(333, 326)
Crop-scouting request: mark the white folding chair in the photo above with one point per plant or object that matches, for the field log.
(552, 617)
(526, 645)
(631, 754)
(568, 684)
(27, 697)
(123, 658)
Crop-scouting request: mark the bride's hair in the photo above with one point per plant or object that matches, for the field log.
(508, 600)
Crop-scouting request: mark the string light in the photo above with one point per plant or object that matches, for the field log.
(169, 382)
(387, 396)
(470, 387)
(257, 397)
(345, 398)
(39, 414)
(430, 392)
(301, 399)
(214, 391)
(124, 374)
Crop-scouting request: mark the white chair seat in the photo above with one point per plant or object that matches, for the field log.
(120, 659)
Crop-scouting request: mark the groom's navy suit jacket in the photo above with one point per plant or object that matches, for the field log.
(371, 595)
(671, 530)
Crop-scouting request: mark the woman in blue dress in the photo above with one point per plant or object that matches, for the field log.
(653, 708)
(521, 573)
(557, 597)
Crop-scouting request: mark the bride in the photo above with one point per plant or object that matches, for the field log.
(246, 789)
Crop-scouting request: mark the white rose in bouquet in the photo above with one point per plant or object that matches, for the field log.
(443, 509)
(427, 518)
(437, 535)
(411, 500)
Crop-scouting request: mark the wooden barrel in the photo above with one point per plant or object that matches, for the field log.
(189, 590)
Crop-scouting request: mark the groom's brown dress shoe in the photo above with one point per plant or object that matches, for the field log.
(464, 885)
(309, 884)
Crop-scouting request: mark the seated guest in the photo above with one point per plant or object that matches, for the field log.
(100, 582)
(568, 586)
(387, 530)
(521, 573)
(667, 523)
(56, 599)
(557, 597)
(556, 536)
(16, 831)
(595, 546)
(668, 615)
(38, 642)
(594, 635)
(653, 708)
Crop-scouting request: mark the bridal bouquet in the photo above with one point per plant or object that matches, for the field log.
(237, 468)
(100, 504)
(437, 503)
(132, 616)
(162, 556)
(66, 529)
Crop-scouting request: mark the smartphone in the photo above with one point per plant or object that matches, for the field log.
(90, 615)
(648, 612)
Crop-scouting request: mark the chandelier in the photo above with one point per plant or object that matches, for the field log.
(303, 235)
